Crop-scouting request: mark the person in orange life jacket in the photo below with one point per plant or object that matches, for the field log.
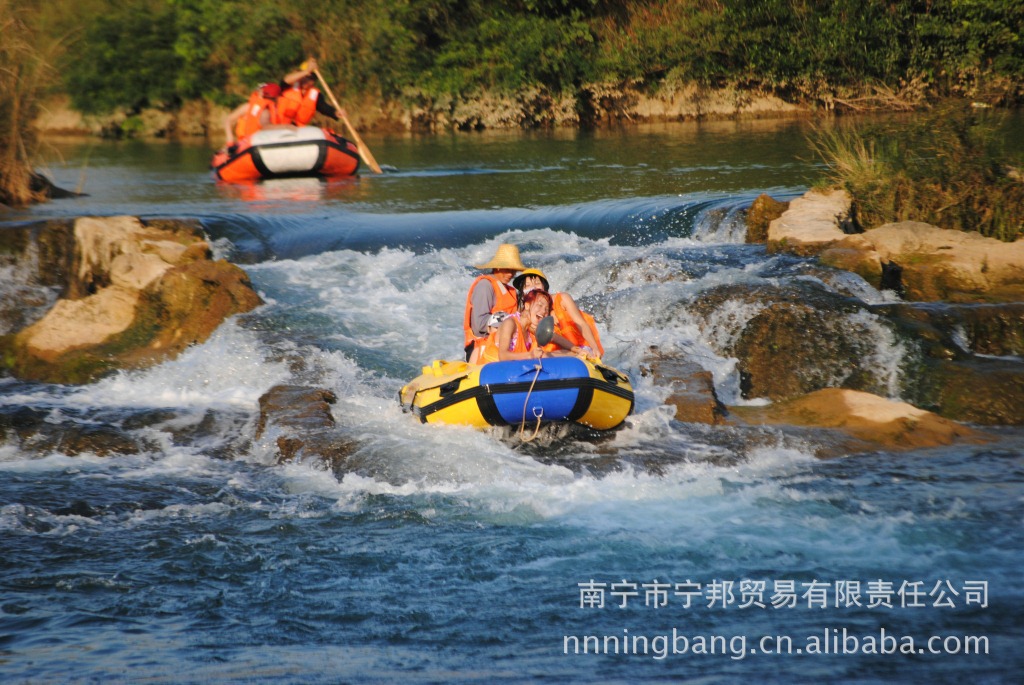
(493, 324)
(574, 325)
(258, 113)
(300, 99)
(516, 338)
(490, 293)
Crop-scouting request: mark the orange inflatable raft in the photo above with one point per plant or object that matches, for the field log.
(287, 153)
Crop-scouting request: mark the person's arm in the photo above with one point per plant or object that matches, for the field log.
(266, 121)
(308, 68)
(481, 301)
(230, 120)
(325, 108)
(577, 318)
(567, 348)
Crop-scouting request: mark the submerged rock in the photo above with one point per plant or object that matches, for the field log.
(300, 417)
(691, 388)
(37, 431)
(132, 294)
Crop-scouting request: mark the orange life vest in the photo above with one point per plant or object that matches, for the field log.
(298, 109)
(520, 342)
(505, 300)
(568, 329)
(249, 123)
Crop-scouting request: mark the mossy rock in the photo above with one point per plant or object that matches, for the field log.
(980, 390)
(762, 212)
(107, 321)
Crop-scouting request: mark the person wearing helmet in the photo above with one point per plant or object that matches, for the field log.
(516, 337)
(574, 325)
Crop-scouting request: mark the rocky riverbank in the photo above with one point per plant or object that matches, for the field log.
(602, 105)
(809, 348)
(88, 296)
(958, 308)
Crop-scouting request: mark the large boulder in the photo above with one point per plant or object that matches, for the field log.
(876, 423)
(920, 261)
(982, 390)
(814, 222)
(930, 264)
(956, 331)
(793, 339)
(133, 294)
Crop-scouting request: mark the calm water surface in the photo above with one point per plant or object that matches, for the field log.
(678, 552)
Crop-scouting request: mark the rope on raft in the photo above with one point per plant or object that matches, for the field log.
(538, 411)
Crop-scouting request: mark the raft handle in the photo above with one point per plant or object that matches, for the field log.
(450, 388)
(610, 375)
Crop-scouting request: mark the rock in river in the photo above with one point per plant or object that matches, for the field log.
(131, 294)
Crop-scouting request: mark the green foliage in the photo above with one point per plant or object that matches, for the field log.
(805, 46)
(128, 53)
(957, 42)
(508, 53)
(126, 60)
(947, 168)
(680, 38)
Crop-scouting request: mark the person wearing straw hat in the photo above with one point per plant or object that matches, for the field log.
(490, 293)
(576, 326)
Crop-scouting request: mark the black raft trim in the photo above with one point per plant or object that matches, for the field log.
(321, 156)
(484, 396)
(257, 162)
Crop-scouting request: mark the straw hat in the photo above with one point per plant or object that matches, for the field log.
(507, 257)
(518, 281)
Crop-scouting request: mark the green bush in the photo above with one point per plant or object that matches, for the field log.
(131, 53)
(946, 167)
(126, 60)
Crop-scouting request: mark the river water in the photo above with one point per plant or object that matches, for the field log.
(677, 552)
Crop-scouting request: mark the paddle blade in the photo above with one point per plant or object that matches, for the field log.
(545, 330)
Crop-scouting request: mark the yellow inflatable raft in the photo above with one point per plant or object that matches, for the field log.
(508, 393)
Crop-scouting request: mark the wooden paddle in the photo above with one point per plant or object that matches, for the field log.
(364, 151)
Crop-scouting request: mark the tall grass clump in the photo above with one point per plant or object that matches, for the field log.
(22, 79)
(946, 167)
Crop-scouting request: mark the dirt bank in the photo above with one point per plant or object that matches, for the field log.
(600, 105)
